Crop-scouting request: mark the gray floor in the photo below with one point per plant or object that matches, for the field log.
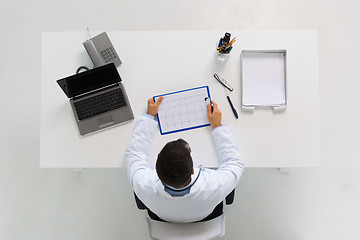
(42, 204)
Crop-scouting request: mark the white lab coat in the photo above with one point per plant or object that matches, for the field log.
(209, 190)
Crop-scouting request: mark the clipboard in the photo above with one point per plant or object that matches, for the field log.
(263, 74)
(183, 110)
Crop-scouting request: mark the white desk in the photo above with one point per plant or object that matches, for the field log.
(156, 62)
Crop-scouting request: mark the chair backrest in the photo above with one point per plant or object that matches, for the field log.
(212, 229)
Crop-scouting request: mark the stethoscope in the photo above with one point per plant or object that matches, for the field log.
(186, 188)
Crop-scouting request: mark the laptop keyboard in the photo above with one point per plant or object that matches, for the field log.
(99, 104)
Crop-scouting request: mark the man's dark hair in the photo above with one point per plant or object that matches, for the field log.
(174, 164)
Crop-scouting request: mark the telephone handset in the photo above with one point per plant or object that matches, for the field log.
(101, 50)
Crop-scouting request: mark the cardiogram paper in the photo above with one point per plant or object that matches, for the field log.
(183, 110)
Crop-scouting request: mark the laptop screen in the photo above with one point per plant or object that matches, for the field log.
(91, 80)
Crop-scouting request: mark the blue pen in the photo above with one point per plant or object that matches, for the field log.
(232, 107)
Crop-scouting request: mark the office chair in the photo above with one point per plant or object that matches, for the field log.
(212, 227)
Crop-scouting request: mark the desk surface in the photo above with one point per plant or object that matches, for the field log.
(157, 62)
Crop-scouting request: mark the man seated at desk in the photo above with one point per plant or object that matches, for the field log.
(176, 191)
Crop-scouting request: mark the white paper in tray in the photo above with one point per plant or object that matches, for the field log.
(264, 78)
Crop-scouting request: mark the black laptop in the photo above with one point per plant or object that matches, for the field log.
(98, 99)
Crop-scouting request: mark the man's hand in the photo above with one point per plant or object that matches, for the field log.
(214, 117)
(153, 107)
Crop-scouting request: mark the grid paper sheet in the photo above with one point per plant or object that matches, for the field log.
(183, 110)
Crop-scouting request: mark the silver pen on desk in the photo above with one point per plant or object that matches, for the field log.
(223, 82)
(227, 86)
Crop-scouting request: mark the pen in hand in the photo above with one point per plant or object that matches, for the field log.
(213, 113)
(208, 101)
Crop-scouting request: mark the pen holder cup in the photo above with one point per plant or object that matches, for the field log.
(222, 56)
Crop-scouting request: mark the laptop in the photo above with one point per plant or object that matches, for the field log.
(98, 99)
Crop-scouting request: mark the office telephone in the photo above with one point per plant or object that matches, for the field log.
(101, 50)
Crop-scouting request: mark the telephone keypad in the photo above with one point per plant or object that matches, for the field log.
(108, 54)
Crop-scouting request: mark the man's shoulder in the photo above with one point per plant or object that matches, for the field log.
(146, 176)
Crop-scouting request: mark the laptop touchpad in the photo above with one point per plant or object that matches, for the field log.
(105, 121)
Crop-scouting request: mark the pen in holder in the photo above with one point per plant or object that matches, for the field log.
(224, 47)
